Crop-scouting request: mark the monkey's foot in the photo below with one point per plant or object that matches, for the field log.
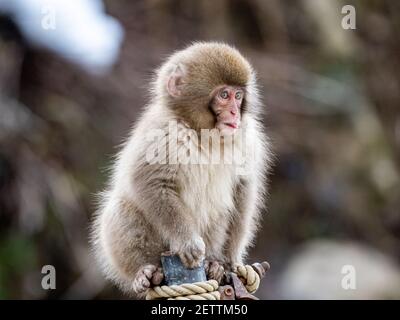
(158, 277)
(191, 252)
(233, 266)
(147, 275)
(214, 270)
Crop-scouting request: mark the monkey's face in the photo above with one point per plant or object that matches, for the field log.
(207, 90)
(226, 105)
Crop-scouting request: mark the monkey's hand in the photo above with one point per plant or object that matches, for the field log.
(147, 275)
(233, 266)
(214, 270)
(190, 252)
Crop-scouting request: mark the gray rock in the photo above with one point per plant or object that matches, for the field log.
(324, 270)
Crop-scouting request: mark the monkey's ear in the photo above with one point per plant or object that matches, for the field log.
(175, 81)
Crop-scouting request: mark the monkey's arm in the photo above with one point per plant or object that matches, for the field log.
(243, 226)
(160, 201)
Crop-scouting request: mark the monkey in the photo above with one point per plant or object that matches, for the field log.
(198, 211)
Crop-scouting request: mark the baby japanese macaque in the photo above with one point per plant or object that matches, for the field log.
(196, 190)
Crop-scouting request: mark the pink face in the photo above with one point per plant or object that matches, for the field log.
(227, 102)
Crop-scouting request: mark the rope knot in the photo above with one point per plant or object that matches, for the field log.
(249, 275)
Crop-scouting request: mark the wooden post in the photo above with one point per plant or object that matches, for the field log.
(176, 273)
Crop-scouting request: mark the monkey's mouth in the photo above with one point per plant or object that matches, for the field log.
(232, 125)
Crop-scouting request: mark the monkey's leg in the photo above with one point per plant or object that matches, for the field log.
(214, 270)
(146, 276)
(128, 248)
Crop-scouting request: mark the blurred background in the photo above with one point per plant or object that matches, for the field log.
(73, 78)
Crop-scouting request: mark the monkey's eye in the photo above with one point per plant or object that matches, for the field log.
(238, 95)
(224, 94)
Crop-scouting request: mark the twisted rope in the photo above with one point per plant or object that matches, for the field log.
(251, 277)
(207, 290)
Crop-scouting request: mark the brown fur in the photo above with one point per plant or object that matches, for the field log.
(194, 210)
